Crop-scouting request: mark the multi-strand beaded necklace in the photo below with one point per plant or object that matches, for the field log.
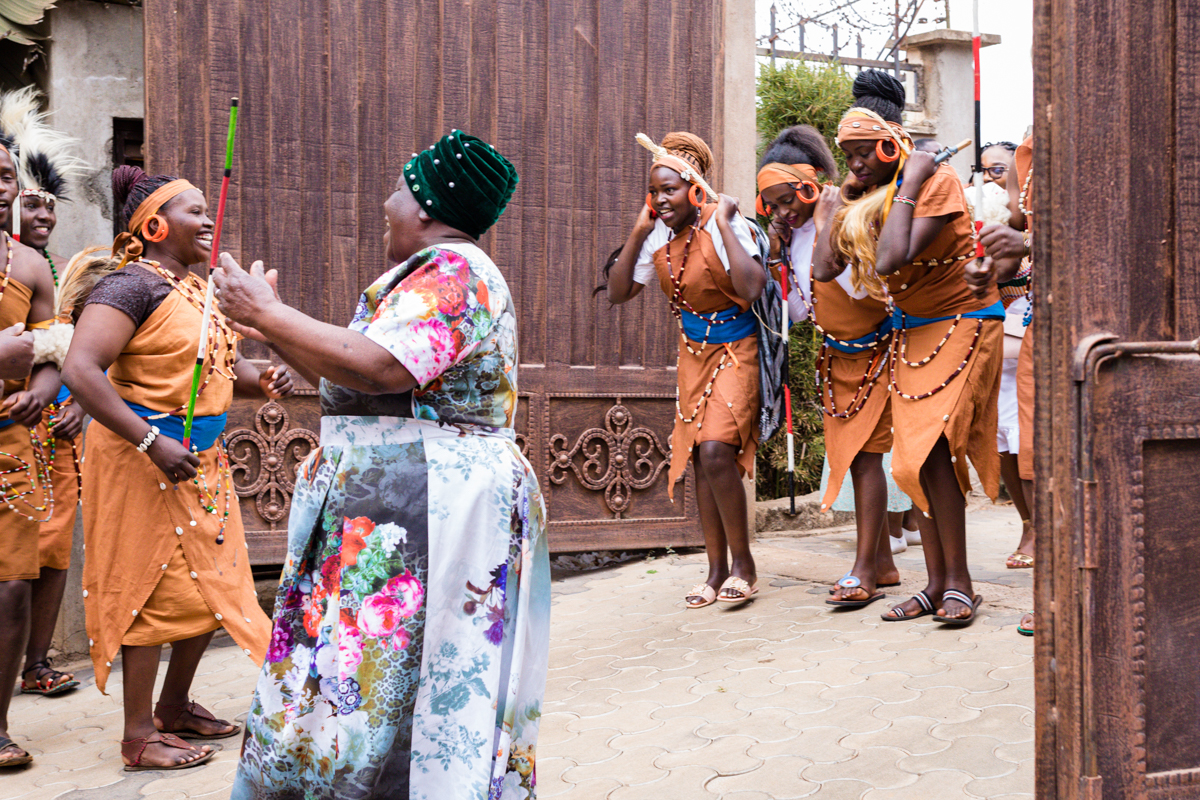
(195, 298)
(11, 493)
(55, 408)
(679, 304)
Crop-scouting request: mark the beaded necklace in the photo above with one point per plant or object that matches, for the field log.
(680, 303)
(208, 500)
(54, 408)
(825, 361)
(39, 457)
(900, 348)
(1025, 193)
(196, 300)
(50, 261)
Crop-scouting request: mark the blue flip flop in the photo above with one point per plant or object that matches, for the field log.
(851, 582)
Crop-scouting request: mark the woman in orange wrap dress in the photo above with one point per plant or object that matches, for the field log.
(27, 300)
(707, 264)
(907, 224)
(166, 554)
(856, 329)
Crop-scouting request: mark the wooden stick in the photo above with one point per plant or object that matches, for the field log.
(208, 295)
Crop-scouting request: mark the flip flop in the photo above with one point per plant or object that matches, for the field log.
(896, 614)
(878, 585)
(1021, 629)
(851, 582)
(707, 594)
(1019, 561)
(170, 740)
(735, 584)
(19, 761)
(955, 594)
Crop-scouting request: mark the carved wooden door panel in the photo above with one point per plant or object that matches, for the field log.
(1117, 321)
(335, 95)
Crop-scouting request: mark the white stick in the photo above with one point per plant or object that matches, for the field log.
(208, 299)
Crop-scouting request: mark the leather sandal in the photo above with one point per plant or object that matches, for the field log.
(47, 680)
(1019, 561)
(16, 761)
(170, 740)
(706, 596)
(196, 710)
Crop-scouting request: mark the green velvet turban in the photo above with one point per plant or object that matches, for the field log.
(462, 181)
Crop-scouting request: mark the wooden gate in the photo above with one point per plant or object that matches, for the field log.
(335, 95)
(1117, 174)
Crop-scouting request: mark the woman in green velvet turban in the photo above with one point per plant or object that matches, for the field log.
(411, 631)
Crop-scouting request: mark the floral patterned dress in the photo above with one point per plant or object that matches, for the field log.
(411, 633)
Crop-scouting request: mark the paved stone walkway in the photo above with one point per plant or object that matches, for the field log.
(782, 698)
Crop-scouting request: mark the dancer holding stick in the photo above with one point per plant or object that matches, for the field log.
(167, 558)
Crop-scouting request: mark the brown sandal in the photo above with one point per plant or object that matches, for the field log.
(16, 761)
(196, 710)
(169, 740)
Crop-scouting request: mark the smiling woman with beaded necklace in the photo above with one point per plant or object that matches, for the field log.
(165, 563)
(901, 227)
(707, 264)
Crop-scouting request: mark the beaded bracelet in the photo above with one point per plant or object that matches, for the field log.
(150, 437)
(906, 200)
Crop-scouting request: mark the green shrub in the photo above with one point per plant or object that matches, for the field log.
(795, 93)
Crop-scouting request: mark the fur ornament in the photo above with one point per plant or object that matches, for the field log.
(51, 344)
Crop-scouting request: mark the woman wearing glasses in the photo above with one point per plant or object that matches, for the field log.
(997, 160)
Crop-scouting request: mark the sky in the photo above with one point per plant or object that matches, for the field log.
(1006, 68)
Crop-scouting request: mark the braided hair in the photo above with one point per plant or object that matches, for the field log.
(130, 187)
(879, 91)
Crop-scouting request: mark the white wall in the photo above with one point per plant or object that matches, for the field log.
(96, 73)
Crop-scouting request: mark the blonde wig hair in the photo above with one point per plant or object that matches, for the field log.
(858, 223)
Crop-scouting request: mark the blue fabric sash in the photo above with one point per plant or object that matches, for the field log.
(863, 342)
(743, 324)
(900, 320)
(205, 430)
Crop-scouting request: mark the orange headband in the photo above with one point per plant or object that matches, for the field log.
(775, 173)
(157, 199)
(860, 124)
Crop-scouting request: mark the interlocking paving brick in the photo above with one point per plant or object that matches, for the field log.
(975, 755)
(778, 778)
(726, 756)
(913, 735)
(944, 783)
(1019, 781)
(631, 767)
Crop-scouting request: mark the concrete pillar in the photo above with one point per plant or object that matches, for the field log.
(740, 133)
(948, 88)
(96, 73)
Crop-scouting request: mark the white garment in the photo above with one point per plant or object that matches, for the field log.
(804, 241)
(1008, 431)
(643, 270)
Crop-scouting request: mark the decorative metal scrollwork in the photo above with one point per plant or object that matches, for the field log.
(617, 459)
(264, 461)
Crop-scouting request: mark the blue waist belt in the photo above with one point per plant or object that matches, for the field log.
(862, 343)
(901, 320)
(205, 430)
(735, 324)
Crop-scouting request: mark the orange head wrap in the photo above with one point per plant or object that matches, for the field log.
(127, 244)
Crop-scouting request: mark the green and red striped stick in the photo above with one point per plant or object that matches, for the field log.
(208, 296)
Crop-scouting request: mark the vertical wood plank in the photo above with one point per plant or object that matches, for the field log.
(560, 137)
(344, 154)
(194, 93)
(162, 69)
(313, 215)
(282, 149)
(510, 250)
(1187, 172)
(380, 149)
(537, 266)
(585, 197)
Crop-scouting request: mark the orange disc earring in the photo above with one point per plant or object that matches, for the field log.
(884, 157)
(696, 196)
(810, 192)
(160, 234)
